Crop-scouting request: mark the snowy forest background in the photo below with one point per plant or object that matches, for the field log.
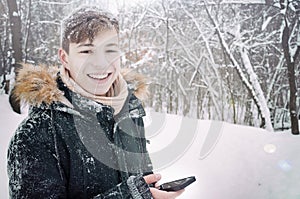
(234, 61)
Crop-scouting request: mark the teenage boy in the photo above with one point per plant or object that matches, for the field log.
(84, 136)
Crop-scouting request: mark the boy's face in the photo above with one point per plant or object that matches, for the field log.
(94, 65)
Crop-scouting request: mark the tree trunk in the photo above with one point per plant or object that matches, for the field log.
(266, 118)
(15, 25)
(293, 97)
(16, 34)
(27, 32)
(290, 61)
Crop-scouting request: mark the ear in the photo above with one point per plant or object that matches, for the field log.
(63, 56)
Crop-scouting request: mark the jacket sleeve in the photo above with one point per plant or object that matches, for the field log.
(135, 187)
(34, 171)
(147, 163)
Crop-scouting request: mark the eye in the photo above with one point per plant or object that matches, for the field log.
(86, 52)
(112, 51)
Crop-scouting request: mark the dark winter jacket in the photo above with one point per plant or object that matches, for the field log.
(79, 152)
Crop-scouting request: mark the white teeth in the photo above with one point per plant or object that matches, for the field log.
(101, 76)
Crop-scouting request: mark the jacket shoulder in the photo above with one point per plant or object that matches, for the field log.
(32, 127)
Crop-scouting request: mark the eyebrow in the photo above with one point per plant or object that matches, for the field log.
(112, 44)
(85, 45)
(92, 45)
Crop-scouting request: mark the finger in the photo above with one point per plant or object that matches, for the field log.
(156, 185)
(165, 194)
(179, 192)
(175, 193)
(152, 178)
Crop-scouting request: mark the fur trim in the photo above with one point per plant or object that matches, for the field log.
(37, 84)
(138, 81)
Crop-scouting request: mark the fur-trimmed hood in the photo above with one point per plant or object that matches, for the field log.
(36, 85)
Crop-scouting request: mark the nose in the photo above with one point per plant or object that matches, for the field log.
(99, 60)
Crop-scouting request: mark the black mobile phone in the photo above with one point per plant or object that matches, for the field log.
(177, 184)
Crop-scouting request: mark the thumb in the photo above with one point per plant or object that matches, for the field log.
(152, 178)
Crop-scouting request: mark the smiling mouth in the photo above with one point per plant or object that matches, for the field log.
(99, 76)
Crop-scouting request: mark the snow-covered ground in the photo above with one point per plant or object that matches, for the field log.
(8, 124)
(229, 161)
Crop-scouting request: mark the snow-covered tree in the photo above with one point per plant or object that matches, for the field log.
(214, 60)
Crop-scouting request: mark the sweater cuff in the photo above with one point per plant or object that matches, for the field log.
(139, 188)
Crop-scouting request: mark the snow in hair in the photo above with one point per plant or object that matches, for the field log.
(85, 23)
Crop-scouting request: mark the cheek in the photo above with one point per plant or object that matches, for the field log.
(76, 70)
(78, 64)
(117, 65)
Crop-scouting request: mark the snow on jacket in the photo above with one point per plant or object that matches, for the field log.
(79, 152)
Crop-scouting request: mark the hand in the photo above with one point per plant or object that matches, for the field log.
(159, 194)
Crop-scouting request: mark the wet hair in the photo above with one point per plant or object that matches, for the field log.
(85, 23)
